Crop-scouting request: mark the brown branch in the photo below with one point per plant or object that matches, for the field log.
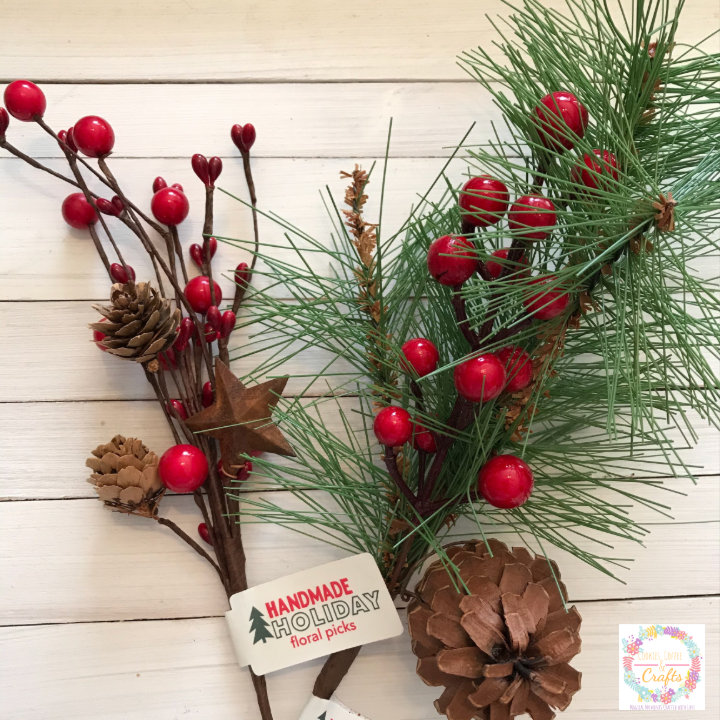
(181, 533)
(458, 303)
(253, 201)
(391, 464)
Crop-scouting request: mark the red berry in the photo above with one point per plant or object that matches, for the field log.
(24, 100)
(247, 468)
(200, 168)
(423, 439)
(227, 323)
(118, 274)
(505, 481)
(4, 121)
(178, 186)
(183, 334)
(242, 275)
(451, 259)
(78, 212)
(483, 200)
(213, 317)
(392, 426)
(561, 118)
(243, 136)
(179, 408)
(532, 217)
(183, 468)
(118, 203)
(546, 304)
(106, 207)
(158, 184)
(70, 140)
(98, 337)
(208, 396)
(209, 248)
(518, 270)
(197, 292)
(421, 355)
(518, 367)
(204, 533)
(481, 378)
(593, 174)
(211, 335)
(167, 359)
(94, 136)
(170, 206)
(215, 167)
(196, 254)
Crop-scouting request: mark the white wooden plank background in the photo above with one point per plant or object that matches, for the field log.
(104, 616)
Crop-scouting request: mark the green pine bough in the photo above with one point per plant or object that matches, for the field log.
(624, 366)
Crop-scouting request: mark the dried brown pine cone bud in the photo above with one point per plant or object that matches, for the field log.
(125, 476)
(139, 323)
(503, 649)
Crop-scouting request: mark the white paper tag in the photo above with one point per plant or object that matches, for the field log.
(332, 709)
(310, 614)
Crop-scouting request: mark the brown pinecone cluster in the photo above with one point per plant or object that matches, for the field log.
(139, 322)
(502, 649)
(125, 476)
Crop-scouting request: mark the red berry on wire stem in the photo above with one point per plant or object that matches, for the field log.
(227, 323)
(208, 396)
(532, 217)
(170, 206)
(98, 337)
(211, 334)
(197, 292)
(560, 118)
(483, 200)
(245, 471)
(392, 426)
(158, 184)
(213, 316)
(178, 186)
(118, 274)
(200, 168)
(518, 366)
(70, 140)
(215, 167)
(94, 136)
(196, 254)
(546, 304)
(78, 212)
(505, 481)
(4, 121)
(184, 334)
(24, 100)
(118, 203)
(481, 378)
(210, 246)
(167, 359)
(204, 533)
(421, 355)
(242, 275)
(179, 408)
(183, 468)
(106, 207)
(423, 439)
(593, 174)
(517, 270)
(451, 259)
(243, 136)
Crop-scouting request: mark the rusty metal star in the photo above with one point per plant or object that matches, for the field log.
(241, 417)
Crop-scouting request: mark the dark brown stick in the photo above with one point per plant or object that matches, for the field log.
(181, 533)
(253, 202)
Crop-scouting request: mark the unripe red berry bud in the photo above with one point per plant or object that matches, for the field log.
(196, 254)
(227, 323)
(4, 121)
(167, 359)
(244, 474)
(242, 275)
(178, 186)
(158, 184)
(211, 335)
(118, 274)
(213, 317)
(208, 396)
(210, 248)
(184, 333)
(243, 136)
(178, 407)
(200, 168)
(106, 207)
(215, 168)
(118, 203)
(204, 533)
(70, 140)
(62, 136)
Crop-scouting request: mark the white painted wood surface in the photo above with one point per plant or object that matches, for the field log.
(104, 616)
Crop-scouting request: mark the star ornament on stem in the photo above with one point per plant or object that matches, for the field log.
(240, 417)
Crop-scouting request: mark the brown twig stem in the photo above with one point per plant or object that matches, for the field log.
(181, 533)
(253, 202)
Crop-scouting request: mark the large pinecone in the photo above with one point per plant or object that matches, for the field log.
(125, 476)
(503, 649)
(139, 324)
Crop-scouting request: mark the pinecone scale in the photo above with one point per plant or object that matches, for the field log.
(499, 638)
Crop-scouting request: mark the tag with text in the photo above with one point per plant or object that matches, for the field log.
(662, 667)
(332, 709)
(310, 614)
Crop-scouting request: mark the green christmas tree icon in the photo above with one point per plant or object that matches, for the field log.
(259, 626)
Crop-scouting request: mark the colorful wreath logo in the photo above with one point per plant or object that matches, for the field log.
(633, 646)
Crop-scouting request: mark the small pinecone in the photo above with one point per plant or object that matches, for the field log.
(125, 476)
(502, 650)
(139, 324)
